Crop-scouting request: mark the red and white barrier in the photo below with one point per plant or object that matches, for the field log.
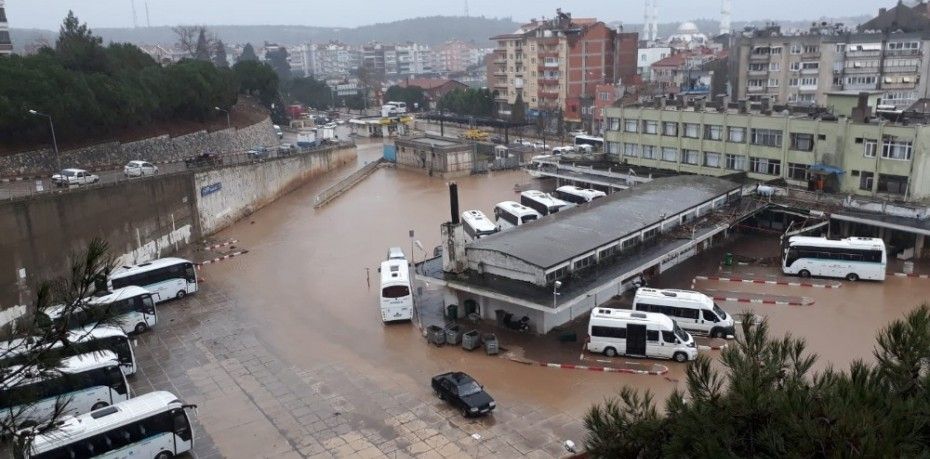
(222, 244)
(224, 257)
(569, 366)
(766, 281)
(762, 301)
(715, 347)
(914, 275)
(23, 179)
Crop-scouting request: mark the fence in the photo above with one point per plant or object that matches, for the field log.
(347, 183)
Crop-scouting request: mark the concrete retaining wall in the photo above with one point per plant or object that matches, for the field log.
(225, 195)
(157, 149)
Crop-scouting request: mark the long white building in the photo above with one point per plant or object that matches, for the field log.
(6, 45)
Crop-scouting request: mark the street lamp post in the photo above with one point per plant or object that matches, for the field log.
(555, 293)
(51, 125)
(228, 124)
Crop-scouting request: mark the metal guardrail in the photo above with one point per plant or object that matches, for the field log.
(347, 183)
(24, 189)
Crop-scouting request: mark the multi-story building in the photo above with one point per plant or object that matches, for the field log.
(555, 65)
(885, 54)
(6, 45)
(301, 59)
(645, 57)
(335, 60)
(379, 59)
(455, 56)
(850, 153)
(414, 59)
(697, 72)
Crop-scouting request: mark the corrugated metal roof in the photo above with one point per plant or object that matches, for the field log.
(558, 238)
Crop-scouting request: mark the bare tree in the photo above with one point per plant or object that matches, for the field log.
(187, 38)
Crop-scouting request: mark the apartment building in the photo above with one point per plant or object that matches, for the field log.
(850, 154)
(6, 45)
(414, 59)
(645, 57)
(335, 60)
(301, 59)
(888, 53)
(457, 56)
(555, 65)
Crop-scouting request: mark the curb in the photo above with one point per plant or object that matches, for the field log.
(761, 301)
(223, 244)
(719, 347)
(568, 366)
(764, 281)
(224, 257)
(917, 276)
(22, 179)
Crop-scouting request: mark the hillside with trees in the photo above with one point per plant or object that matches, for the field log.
(92, 91)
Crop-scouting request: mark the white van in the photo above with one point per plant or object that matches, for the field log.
(616, 331)
(510, 214)
(693, 311)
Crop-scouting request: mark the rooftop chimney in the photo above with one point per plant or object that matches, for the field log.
(862, 112)
(744, 105)
(453, 237)
(454, 202)
(767, 106)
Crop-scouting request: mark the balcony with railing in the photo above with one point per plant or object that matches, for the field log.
(902, 69)
(755, 88)
(810, 55)
(901, 84)
(863, 54)
(759, 57)
(762, 72)
(903, 52)
(860, 86)
(861, 70)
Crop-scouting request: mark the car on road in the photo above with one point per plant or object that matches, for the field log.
(204, 159)
(69, 177)
(278, 131)
(464, 393)
(258, 152)
(139, 169)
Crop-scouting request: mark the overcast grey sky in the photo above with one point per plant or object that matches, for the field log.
(47, 14)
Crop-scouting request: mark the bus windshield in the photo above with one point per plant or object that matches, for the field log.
(395, 291)
(720, 312)
(680, 334)
(528, 218)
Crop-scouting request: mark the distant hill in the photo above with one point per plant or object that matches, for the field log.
(430, 30)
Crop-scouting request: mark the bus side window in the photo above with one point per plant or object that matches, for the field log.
(668, 337)
(652, 335)
(182, 426)
(189, 274)
(710, 316)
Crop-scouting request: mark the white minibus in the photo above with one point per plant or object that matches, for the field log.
(86, 382)
(852, 258)
(477, 225)
(692, 311)
(131, 308)
(23, 351)
(166, 278)
(641, 334)
(577, 195)
(541, 202)
(154, 425)
(396, 296)
(510, 214)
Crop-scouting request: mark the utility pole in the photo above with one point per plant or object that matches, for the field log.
(228, 124)
(51, 125)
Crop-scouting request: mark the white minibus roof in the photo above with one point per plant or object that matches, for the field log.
(394, 272)
(543, 198)
(478, 220)
(857, 242)
(605, 315)
(119, 294)
(672, 296)
(516, 208)
(127, 270)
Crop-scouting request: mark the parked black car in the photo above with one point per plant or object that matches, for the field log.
(464, 393)
(203, 160)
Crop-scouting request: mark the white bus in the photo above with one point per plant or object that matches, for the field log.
(641, 334)
(86, 382)
(851, 258)
(396, 297)
(577, 195)
(166, 278)
(510, 214)
(692, 311)
(130, 308)
(95, 339)
(595, 143)
(544, 203)
(154, 425)
(477, 225)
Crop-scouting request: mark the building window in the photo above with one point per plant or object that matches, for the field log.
(776, 50)
(893, 184)
(630, 150)
(585, 262)
(773, 82)
(736, 162)
(892, 148)
(630, 125)
(557, 274)
(737, 135)
(670, 129)
(613, 124)
(795, 66)
(809, 81)
(670, 154)
(871, 147)
(796, 49)
(802, 142)
(800, 172)
(650, 127)
(793, 82)
(691, 157)
(713, 132)
(711, 159)
(613, 148)
(810, 65)
(774, 67)
(765, 166)
(649, 152)
(866, 180)
(692, 130)
(766, 137)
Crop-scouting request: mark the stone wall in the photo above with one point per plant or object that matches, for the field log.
(157, 149)
(227, 194)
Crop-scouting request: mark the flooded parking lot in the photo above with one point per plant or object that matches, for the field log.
(285, 352)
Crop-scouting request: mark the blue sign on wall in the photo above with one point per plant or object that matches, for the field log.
(390, 153)
(210, 189)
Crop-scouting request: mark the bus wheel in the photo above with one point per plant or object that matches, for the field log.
(852, 277)
(99, 405)
(610, 352)
(181, 294)
(680, 357)
(164, 455)
(804, 273)
(141, 327)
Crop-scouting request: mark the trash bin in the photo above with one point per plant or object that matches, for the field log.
(471, 307)
(908, 267)
(452, 312)
(728, 259)
(453, 334)
(491, 346)
(471, 340)
(500, 314)
(436, 335)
